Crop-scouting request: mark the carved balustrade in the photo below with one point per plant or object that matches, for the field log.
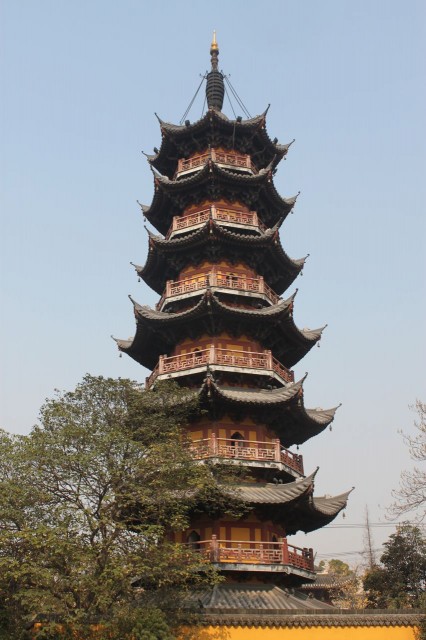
(217, 278)
(246, 450)
(215, 355)
(226, 158)
(222, 214)
(240, 552)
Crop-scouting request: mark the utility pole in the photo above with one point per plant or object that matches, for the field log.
(368, 540)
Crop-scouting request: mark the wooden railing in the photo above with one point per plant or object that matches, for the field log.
(216, 278)
(228, 158)
(242, 552)
(215, 355)
(223, 214)
(246, 450)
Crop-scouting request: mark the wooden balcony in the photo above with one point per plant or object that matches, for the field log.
(246, 450)
(222, 214)
(221, 280)
(238, 552)
(227, 159)
(262, 361)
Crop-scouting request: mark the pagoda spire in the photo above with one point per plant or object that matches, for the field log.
(215, 88)
(214, 51)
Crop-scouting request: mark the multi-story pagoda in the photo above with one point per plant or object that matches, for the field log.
(222, 328)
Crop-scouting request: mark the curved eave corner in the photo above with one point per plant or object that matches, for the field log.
(321, 511)
(123, 345)
(330, 506)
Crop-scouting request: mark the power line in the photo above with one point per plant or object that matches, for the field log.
(379, 525)
(343, 553)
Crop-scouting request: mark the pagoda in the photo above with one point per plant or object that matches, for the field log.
(223, 327)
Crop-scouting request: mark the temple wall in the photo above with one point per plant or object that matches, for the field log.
(290, 633)
(307, 633)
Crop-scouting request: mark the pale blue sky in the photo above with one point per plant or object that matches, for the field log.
(80, 82)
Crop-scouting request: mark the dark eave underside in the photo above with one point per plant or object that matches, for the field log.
(212, 183)
(264, 253)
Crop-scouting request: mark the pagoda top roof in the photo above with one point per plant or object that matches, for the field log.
(215, 129)
(212, 182)
(157, 331)
(263, 251)
(216, 116)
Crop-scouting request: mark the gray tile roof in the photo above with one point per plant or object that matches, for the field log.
(276, 493)
(259, 596)
(270, 606)
(329, 506)
(326, 581)
(316, 511)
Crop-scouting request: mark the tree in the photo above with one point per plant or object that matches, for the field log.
(411, 494)
(401, 580)
(346, 589)
(339, 568)
(86, 502)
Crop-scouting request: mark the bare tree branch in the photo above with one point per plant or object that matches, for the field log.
(411, 495)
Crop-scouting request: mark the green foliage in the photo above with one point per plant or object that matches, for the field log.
(86, 501)
(151, 625)
(339, 568)
(346, 592)
(401, 580)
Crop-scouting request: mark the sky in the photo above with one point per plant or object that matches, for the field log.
(80, 83)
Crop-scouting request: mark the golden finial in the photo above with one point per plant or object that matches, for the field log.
(214, 45)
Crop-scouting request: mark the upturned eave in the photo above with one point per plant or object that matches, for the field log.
(258, 192)
(157, 331)
(263, 251)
